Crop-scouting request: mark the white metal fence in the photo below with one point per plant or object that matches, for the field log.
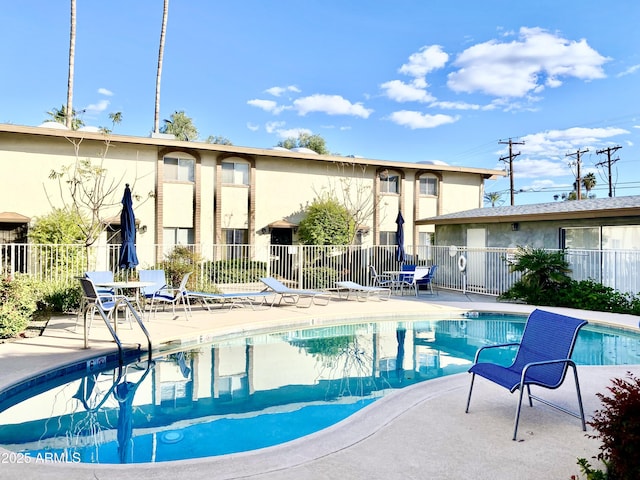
(239, 267)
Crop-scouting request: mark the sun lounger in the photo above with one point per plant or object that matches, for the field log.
(362, 292)
(292, 296)
(238, 299)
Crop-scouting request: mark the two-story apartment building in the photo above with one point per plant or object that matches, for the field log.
(200, 193)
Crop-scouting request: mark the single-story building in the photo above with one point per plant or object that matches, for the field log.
(598, 223)
(601, 237)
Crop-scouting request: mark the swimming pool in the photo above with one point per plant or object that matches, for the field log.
(239, 393)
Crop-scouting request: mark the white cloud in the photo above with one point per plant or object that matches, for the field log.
(406, 92)
(548, 184)
(293, 132)
(277, 91)
(415, 120)
(331, 105)
(629, 71)
(532, 168)
(253, 127)
(461, 106)
(96, 108)
(557, 143)
(537, 59)
(427, 59)
(104, 91)
(267, 105)
(271, 127)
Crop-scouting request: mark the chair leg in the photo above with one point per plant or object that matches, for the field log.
(529, 395)
(473, 377)
(575, 376)
(515, 427)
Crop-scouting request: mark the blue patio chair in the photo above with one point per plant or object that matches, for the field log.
(99, 277)
(93, 301)
(542, 359)
(412, 281)
(156, 278)
(166, 295)
(427, 279)
(380, 280)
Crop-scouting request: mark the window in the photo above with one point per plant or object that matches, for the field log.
(389, 183)
(581, 238)
(388, 238)
(621, 237)
(177, 236)
(423, 249)
(179, 169)
(236, 240)
(428, 185)
(235, 173)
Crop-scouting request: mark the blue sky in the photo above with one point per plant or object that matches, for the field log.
(408, 80)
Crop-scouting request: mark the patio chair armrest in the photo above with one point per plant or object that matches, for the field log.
(531, 365)
(487, 347)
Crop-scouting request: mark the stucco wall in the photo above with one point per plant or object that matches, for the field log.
(540, 234)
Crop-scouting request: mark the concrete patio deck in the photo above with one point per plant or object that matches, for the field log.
(418, 432)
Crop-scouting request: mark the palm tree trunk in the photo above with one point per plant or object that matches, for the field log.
(72, 55)
(163, 31)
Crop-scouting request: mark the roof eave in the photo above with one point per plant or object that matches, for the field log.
(534, 217)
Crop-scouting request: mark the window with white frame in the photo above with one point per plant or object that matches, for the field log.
(429, 185)
(389, 183)
(179, 169)
(235, 173)
(237, 240)
(177, 236)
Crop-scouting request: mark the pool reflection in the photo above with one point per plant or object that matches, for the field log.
(244, 393)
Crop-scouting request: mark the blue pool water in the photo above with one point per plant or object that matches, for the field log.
(241, 393)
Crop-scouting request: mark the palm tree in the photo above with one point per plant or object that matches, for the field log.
(59, 115)
(163, 31)
(72, 54)
(589, 182)
(493, 198)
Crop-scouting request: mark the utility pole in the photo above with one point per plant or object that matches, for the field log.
(511, 156)
(578, 174)
(609, 163)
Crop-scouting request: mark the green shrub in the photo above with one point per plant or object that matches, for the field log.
(590, 295)
(17, 305)
(60, 297)
(543, 274)
(545, 281)
(618, 427)
(180, 261)
(237, 271)
(319, 277)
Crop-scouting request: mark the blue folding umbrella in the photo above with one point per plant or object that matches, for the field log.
(400, 237)
(128, 256)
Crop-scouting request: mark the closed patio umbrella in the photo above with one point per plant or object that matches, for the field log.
(400, 237)
(401, 333)
(128, 256)
(124, 393)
